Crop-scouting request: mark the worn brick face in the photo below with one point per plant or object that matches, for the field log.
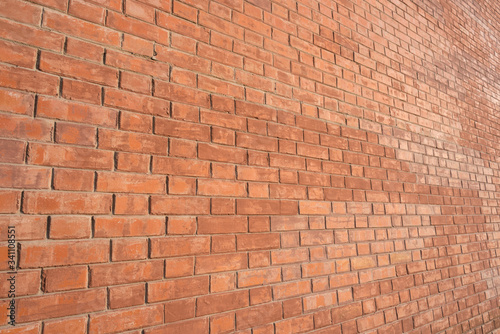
(250, 166)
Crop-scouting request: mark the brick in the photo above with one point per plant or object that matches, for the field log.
(22, 12)
(75, 134)
(27, 283)
(258, 241)
(56, 64)
(17, 55)
(178, 288)
(81, 49)
(179, 267)
(63, 253)
(62, 279)
(30, 35)
(131, 142)
(196, 166)
(258, 315)
(188, 327)
(131, 205)
(136, 83)
(26, 80)
(135, 102)
(66, 203)
(218, 303)
(24, 177)
(221, 188)
(179, 310)
(222, 282)
(129, 249)
(255, 111)
(222, 324)
(182, 167)
(126, 272)
(27, 227)
(76, 112)
(110, 322)
(130, 183)
(72, 325)
(259, 277)
(221, 225)
(71, 157)
(256, 142)
(108, 227)
(16, 102)
(220, 263)
(128, 295)
(179, 246)
(347, 312)
(179, 205)
(221, 153)
(181, 94)
(70, 227)
(62, 304)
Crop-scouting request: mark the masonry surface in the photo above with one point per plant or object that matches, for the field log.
(250, 166)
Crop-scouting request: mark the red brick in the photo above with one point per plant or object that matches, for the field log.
(222, 302)
(128, 295)
(81, 91)
(72, 325)
(130, 183)
(181, 94)
(61, 279)
(221, 153)
(188, 327)
(218, 225)
(258, 315)
(176, 246)
(221, 188)
(180, 167)
(66, 156)
(66, 203)
(56, 64)
(131, 142)
(128, 319)
(178, 288)
(135, 102)
(30, 35)
(131, 205)
(61, 305)
(179, 205)
(347, 312)
(129, 249)
(220, 263)
(16, 102)
(27, 227)
(258, 241)
(76, 112)
(22, 12)
(125, 272)
(108, 227)
(136, 122)
(17, 55)
(63, 253)
(259, 277)
(27, 283)
(24, 177)
(222, 324)
(70, 227)
(179, 310)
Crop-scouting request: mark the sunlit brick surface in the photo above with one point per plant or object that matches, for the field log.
(250, 166)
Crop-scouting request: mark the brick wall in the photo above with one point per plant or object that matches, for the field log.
(250, 166)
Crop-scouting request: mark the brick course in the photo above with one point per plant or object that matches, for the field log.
(251, 166)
